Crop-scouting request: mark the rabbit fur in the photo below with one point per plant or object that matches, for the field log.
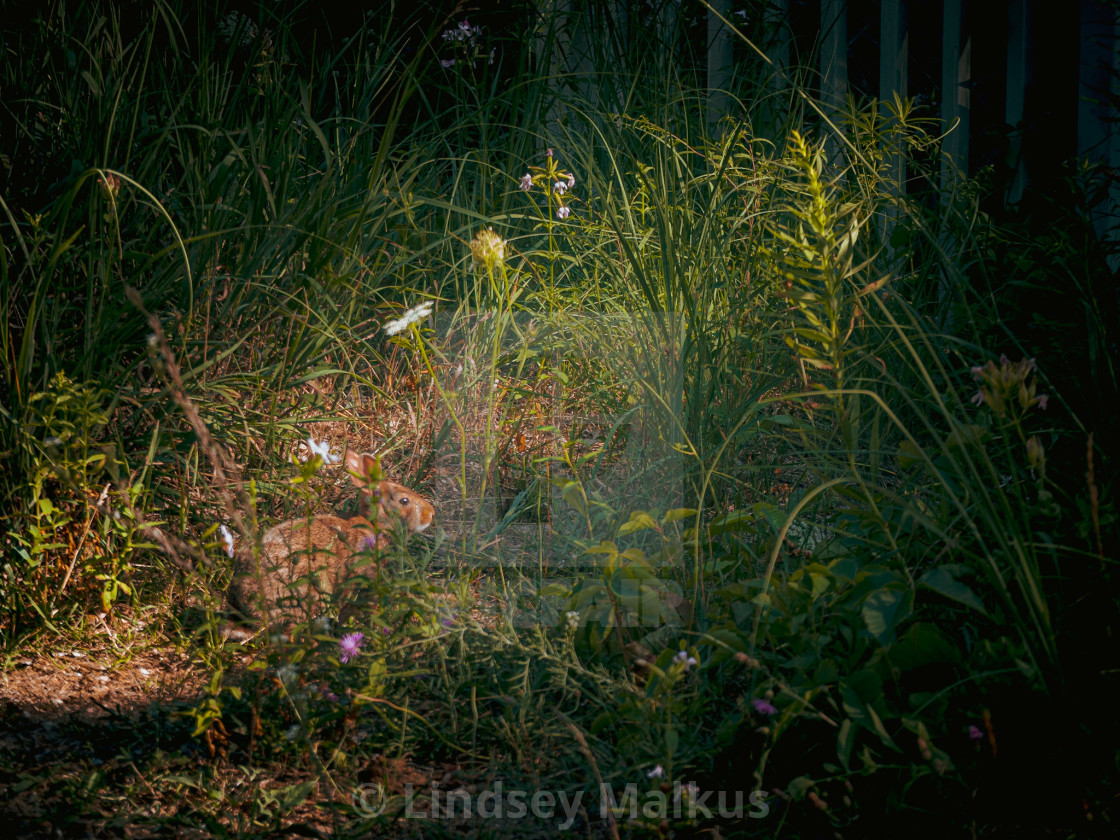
(321, 547)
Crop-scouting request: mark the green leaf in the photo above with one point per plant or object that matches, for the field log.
(883, 610)
(677, 514)
(845, 741)
(909, 454)
(672, 739)
(639, 520)
(922, 644)
(941, 581)
(734, 522)
(573, 494)
(294, 795)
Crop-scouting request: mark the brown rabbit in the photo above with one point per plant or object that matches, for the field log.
(320, 547)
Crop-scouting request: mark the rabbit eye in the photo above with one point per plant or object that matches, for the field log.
(404, 501)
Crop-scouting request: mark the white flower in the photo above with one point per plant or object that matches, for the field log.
(686, 660)
(416, 313)
(562, 212)
(227, 538)
(526, 182)
(559, 188)
(691, 790)
(288, 675)
(234, 22)
(571, 181)
(322, 449)
(573, 618)
(657, 772)
(447, 62)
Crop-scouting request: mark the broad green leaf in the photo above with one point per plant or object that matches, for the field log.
(677, 514)
(883, 610)
(573, 494)
(941, 581)
(922, 644)
(639, 519)
(909, 454)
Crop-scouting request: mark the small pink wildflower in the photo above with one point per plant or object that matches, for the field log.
(764, 707)
(563, 212)
(350, 645)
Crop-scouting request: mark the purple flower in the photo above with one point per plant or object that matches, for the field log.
(978, 398)
(526, 182)
(1043, 400)
(562, 212)
(974, 733)
(764, 707)
(448, 621)
(349, 645)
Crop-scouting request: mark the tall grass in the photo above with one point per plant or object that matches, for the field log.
(714, 500)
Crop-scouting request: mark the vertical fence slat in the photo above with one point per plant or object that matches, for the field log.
(1098, 75)
(956, 93)
(720, 60)
(894, 61)
(1018, 69)
(834, 62)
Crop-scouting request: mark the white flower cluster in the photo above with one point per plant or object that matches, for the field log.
(561, 183)
(463, 32)
(466, 38)
(412, 316)
(237, 24)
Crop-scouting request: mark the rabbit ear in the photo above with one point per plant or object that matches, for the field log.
(362, 467)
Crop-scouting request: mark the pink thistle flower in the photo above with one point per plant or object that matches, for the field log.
(350, 645)
(764, 707)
